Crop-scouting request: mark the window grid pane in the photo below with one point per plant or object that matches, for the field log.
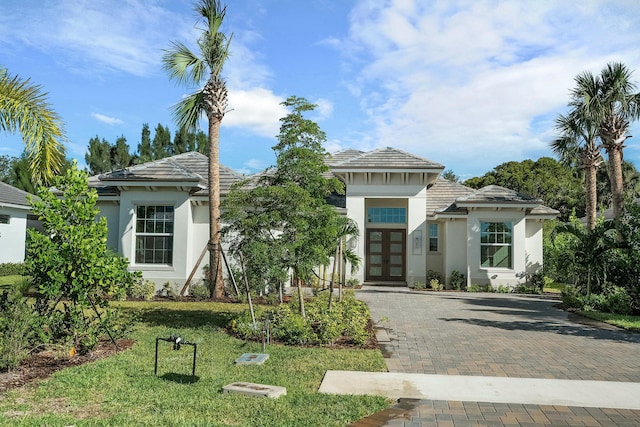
(496, 246)
(387, 215)
(154, 234)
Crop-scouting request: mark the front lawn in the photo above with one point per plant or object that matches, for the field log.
(122, 390)
(628, 322)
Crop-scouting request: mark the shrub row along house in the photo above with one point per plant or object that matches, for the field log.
(410, 219)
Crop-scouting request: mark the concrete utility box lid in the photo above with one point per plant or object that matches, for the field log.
(258, 390)
(252, 359)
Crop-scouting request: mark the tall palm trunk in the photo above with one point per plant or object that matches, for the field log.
(216, 284)
(591, 172)
(614, 152)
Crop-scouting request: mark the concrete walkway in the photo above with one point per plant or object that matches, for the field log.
(492, 350)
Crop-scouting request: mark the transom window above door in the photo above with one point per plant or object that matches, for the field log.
(387, 215)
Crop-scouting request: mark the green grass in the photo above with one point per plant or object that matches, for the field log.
(122, 390)
(628, 322)
(554, 287)
(7, 281)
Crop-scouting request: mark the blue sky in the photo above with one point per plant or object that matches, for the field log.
(469, 84)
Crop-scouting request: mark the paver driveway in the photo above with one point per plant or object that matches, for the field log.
(503, 335)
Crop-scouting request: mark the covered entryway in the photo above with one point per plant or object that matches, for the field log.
(385, 255)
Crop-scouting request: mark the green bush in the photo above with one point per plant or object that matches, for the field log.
(347, 320)
(617, 300)
(12, 269)
(200, 290)
(528, 288)
(503, 289)
(418, 286)
(571, 297)
(458, 281)
(436, 285)
(593, 302)
(142, 289)
(485, 287)
(352, 283)
(20, 329)
(434, 275)
(536, 281)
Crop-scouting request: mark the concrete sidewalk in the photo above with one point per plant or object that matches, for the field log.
(603, 394)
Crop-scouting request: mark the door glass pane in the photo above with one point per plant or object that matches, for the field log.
(375, 247)
(396, 248)
(395, 271)
(375, 236)
(375, 271)
(395, 259)
(396, 236)
(376, 259)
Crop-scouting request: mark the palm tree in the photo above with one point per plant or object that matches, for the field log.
(24, 108)
(612, 109)
(193, 69)
(577, 140)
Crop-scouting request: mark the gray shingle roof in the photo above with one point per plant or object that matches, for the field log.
(341, 156)
(492, 194)
(442, 195)
(385, 158)
(186, 167)
(13, 196)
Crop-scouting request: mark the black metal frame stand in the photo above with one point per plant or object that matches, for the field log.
(177, 343)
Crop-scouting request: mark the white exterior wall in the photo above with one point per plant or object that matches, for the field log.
(356, 211)
(534, 246)
(455, 248)
(417, 237)
(496, 276)
(13, 235)
(182, 248)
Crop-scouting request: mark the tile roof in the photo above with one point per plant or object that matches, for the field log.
(385, 158)
(341, 156)
(442, 195)
(185, 167)
(495, 194)
(13, 196)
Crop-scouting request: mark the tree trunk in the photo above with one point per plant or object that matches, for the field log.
(216, 284)
(617, 183)
(591, 195)
(300, 296)
(343, 274)
(333, 274)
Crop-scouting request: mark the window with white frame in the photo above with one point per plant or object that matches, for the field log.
(154, 234)
(433, 237)
(496, 244)
(387, 215)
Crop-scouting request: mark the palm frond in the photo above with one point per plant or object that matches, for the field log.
(183, 65)
(188, 112)
(24, 108)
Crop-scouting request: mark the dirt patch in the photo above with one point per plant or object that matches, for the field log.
(42, 364)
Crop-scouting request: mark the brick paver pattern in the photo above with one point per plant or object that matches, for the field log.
(501, 335)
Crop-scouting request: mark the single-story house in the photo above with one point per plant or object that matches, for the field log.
(14, 209)
(410, 219)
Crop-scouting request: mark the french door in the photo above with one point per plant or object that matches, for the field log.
(385, 255)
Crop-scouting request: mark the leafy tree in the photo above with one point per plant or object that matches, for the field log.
(449, 175)
(144, 147)
(546, 179)
(161, 145)
(613, 107)
(98, 156)
(283, 220)
(194, 69)
(120, 156)
(24, 108)
(6, 163)
(577, 144)
(70, 263)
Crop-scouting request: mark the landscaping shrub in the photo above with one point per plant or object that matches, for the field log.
(617, 300)
(12, 269)
(485, 287)
(418, 286)
(528, 288)
(142, 289)
(571, 297)
(200, 290)
(434, 275)
(457, 281)
(20, 329)
(503, 289)
(436, 285)
(536, 280)
(347, 320)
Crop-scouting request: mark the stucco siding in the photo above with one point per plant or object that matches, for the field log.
(534, 246)
(13, 235)
(455, 248)
(111, 211)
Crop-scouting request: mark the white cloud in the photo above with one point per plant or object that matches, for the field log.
(324, 109)
(257, 110)
(106, 119)
(459, 81)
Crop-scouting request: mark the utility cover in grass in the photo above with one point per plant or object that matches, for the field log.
(252, 359)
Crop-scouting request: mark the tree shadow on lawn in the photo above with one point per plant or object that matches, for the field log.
(171, 318)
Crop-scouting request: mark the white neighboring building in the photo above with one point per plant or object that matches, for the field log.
(14, 209)
(410, 219)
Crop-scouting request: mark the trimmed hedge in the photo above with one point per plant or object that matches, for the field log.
(12, 269)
